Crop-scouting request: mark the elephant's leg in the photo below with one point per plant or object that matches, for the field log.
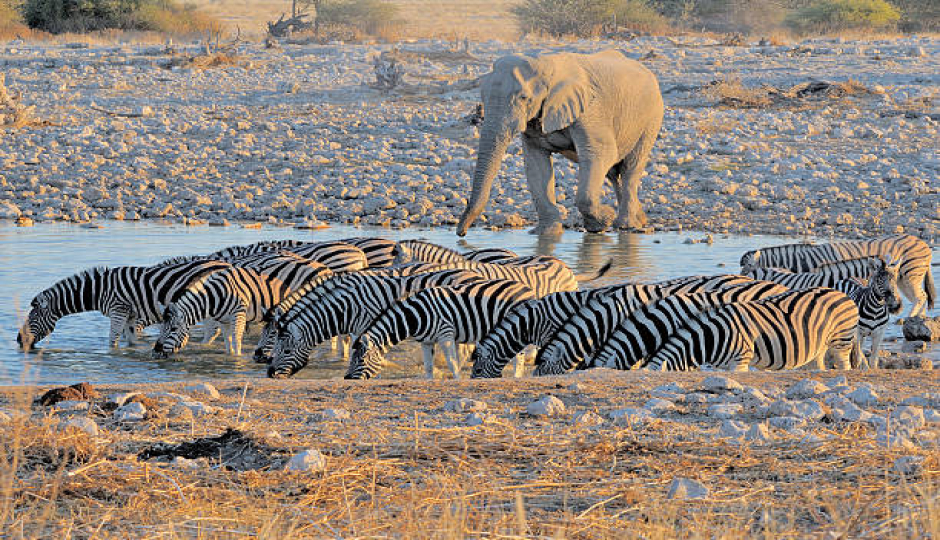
(541, 179)
(630, 213)
(597, 155)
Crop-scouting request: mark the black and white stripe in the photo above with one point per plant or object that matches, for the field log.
(786, 331)
(343, 305)
(445, 315)
(645, 330)
(230, 297)
(423, 251)
(337, 256)
(588, 329)
(915, 279)
(379, 252)
(131, 296)
(876, 303)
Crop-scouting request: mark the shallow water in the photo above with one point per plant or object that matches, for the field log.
(33, 258)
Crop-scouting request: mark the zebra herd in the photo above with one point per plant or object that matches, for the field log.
(792, 305)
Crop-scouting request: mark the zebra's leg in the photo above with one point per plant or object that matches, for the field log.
(741, 358)
(344, 344)
(452, 355)
(527, 355)
(118, 326)
(874, 361)
(427, 353)
(211, 329)
(237, 331)
(334, 343)
(915, 293)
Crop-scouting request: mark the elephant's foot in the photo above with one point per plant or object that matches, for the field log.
(634, 221)
(550, 228)
(599, 220)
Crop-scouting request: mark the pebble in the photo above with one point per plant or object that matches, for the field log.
(806, 388)
(686, 489)
(477, 419)
(120, 398)
(334, 415)
(204, 390)
(72, 406)
(863, 396)
(807, 409)
(465, 405)
(82, 423)
(630, 415)
(786, 423)
(908, 417)
(310, 460)
(932, 416)
(894, 439)
(659, 406)
(670, 388)
(724, 410)
(546, 406)
(732, 429)
(908, 465)
(191, 409)
(921, 328)
(586, 418)
(5, 418)
(717, 384)
(758, 433)
(131, 412)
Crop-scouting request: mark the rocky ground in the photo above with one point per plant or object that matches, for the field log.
(596, 455)
(297, 134)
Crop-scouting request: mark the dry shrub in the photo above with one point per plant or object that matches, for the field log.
(731, 92)
(170, 18)
(13, 114)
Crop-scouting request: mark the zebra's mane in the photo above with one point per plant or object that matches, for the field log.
(329, 287)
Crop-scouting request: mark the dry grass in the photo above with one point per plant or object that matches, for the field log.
(402, 467)
(712, 125)
(734, 94)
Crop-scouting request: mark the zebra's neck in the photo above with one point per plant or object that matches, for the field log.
(81, 292)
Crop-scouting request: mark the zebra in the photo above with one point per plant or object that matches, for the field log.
(544, 275)
(876, 303)
(231, 297)
(337, 256)
(593, 323)
(343, 305)
(915, 280)
(785, 331)
(445, 315)
(423, 251)
(645, 330)
(131, 296)
(530, 323)
(379, 252)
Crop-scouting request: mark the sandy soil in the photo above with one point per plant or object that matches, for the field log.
(409, 461)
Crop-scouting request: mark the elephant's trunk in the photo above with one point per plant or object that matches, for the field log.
(493, 142)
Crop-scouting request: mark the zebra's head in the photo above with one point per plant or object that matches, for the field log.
(289, 355)
(402, 254)
(40, 322)
(749, 261)
(365, 359)
(265, 348)
(174, 333)
(485, 364)
(885, 283)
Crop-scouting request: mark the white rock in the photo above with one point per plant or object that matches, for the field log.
(187, 408)
(927, 399)
(9, 210)
(752, 397)
(546, 406)
(806, 388)
(724, 410)
(465, 405)
(337, 415)
(863, 395)
(204, 390)
(131, 412)
(717, 384)
(894, 439)
(83, 423)
(671, 388)
(834, 382)
(659, 406)
(732, 429)
(120, 398)
(807, 409)
(787, 423)
(476, 419)
(72, 405)
(909, 465)
(850, 412)
(310, 460)
(758, 433)
(908, 417)
(686, 488)
(695, 398)
(586, 418)
(186, 463)
(932, 416)
(630, 415)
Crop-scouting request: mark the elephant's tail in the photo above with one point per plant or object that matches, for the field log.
(596, 275)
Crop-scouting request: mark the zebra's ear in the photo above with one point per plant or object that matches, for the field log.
(756, 255)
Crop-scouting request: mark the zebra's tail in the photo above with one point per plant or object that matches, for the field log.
(929, 288)
(596, 275)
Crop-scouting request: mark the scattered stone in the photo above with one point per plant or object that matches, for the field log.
(695, 399)
(732, 429)
(927, 399)
(913, 347)
(908, 417)
(809, 409)
(334, 415)
(837, 382)
(5, 418)
(686, 489)
(72, 406)
(310, 460)
(586, 418)
(909, 465)
(465, 405)
(922, 328)
(850, 412)
(630, 415)
(863, 396)
(931, 416)
(206, 390)
(758, 433)
(131, 412)
(724, 410)
(82, 423)
(76, 392)
(786, 423)
(191, 409)
(659, 406)
(894, 439)
(671, 388)
(806, 388)
(119, 399)
(477, 418)
(718, 384)
(752, 397)
(547, 406)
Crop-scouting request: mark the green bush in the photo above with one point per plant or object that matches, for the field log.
(565, 17)
(58, 16)
(639, 15)
(368, 16)
(836, 15)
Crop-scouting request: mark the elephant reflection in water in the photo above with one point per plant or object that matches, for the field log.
(601, 110)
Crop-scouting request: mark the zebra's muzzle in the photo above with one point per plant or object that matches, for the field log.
(279, 373)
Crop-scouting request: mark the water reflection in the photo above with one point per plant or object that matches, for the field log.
(32, 259)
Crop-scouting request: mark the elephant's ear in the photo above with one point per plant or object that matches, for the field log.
(565, 103)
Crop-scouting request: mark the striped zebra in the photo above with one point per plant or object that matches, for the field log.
(343, 305)
(444, 315)
(915, 280)
(876, 303)
(379, 252)
(645, 330)
(422, 251)
(337, 256)
(230, 297)
(133, 297)
(786, 331)
(588, 329)
(530, 323)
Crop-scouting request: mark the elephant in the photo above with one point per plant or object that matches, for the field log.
(602, 111)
